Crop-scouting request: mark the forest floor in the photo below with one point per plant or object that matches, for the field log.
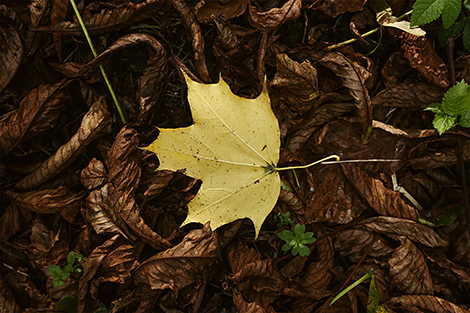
(88, 223)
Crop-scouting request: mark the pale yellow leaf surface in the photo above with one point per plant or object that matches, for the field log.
(232, 147)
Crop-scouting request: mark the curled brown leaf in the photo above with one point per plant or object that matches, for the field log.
(11, 53)
(94, 124)
(225, 9)
(275, 17)
(426, 302)
(37, 113)
(182, 265)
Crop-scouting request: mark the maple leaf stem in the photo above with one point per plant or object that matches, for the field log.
(308, 165)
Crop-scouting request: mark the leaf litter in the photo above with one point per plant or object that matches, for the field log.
(74, 179)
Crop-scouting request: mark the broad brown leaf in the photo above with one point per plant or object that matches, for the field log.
(226, 9)
(182, 265)
(383, 200)
(7, 299)
(396, 226)
(37, 113)
(49, 201)
(275, 17)
(409, 270)
(249, 307)
(335, 8)
(353, 243)
(94, 175)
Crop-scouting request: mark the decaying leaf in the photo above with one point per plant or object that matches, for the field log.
(426, 302)
(275, 17)
(226, 9)
(232, 147)
(94, 124)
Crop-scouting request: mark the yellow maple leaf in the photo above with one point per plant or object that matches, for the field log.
(232, 147)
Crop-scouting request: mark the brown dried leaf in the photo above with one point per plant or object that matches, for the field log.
(409, 271)
(123, 162)
(11, 51)
(227, 10)
(442, 157)
(407, 133)
(394, 69)
(354, 77)
(7, 299)
(296, 82)
(409, 94)
(273, 18)
(354, 242)
(111, 262)
(37, 113)
(383, 200)
(94, 124)
(49, 201)
(103, 218)
(249, 307)
(59, 12)
(39, 9)
(393, 226)
(421, 54)
(250, 272)
(335, 8)
(13, 219)
(182, 265)
(107, 20)
(197, 39)
(26, 293)
(426, 302)
(94, 175)
(47, 246)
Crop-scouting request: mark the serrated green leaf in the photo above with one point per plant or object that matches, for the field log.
(465, 119)
(434, 107)
(443, 122)
(426, 11)
(451, 12)
(466, 36)
(457, 99)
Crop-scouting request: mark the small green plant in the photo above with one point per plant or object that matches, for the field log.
(426, 11)
(297, 240)
(284, 219)
(59, 275)
(454, 108)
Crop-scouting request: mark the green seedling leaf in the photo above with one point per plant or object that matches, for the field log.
(71, 257)
(374, 300)
(426, 11)
(286, 235)
(456, 101)
(54, 270)
(299, 230)
(297, 241)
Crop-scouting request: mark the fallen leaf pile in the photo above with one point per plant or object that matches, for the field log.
(73, 178)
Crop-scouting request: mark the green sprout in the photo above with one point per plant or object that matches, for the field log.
(284, 219)
(59, 275)
(297, 240)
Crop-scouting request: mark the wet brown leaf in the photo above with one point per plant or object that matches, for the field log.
(383, 200)
(335, 8)
(94, 124)
(353, 243)
(112, 262)
(354, 77)
(223, 9)
(99, 20)
(7, 299)
(409, 94)
(296, 83)
(422, 57)
(182, 265)
(11, 51)
(37, 113)
(275, 17)
(409, 271)
(393, 226)
(103, 218)
(431, 303)
(124, 173)
(49, 201)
